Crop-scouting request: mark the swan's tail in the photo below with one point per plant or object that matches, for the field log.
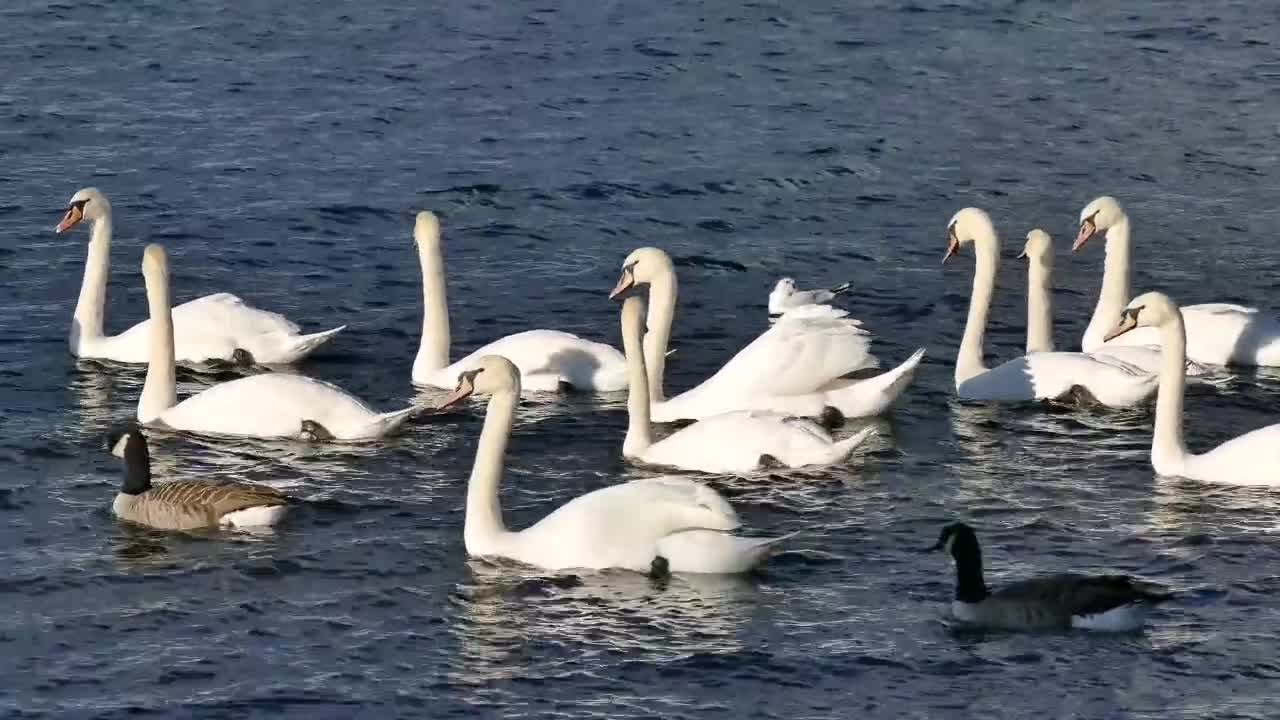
(301, 346)
(715, 551)
(842, 287)
(386, 423)
(872, 396)
(843, 449)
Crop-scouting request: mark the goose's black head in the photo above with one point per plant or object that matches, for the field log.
(131, 445)
(961, 543)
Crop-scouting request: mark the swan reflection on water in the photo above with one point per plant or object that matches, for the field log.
(509, 609)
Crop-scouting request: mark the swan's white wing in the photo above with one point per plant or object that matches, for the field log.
(272, 405)
(232, 315)
(620, 526)
(735, 442)
(546, 358)
(1050, 375)
(804, 350)
(1251, 459)
(213, 327)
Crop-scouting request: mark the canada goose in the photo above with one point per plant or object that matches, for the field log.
(1111, 603)
(185, 505)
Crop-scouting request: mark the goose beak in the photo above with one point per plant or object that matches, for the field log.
(462, 392)
(934, 547)
(625, 283)
(1087, 230)
(1128, 321)
(71, 219)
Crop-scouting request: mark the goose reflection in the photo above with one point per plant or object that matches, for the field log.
(509, 608)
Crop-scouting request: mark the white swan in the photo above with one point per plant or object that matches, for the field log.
(1039, 254)
(796, 367)
(785, 296)
(213, 327)
(548, 359)
(1251, 459)
(662, 523)
(271, 405)
(1040, 375)
(1217, 333)
(734, 442)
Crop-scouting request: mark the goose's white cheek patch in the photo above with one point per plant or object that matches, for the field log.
(121, 444)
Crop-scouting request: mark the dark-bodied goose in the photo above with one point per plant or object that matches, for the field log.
(184, 505)
(1112, 603)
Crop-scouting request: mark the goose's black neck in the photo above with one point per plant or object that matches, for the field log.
(970, 586)
(137, 466)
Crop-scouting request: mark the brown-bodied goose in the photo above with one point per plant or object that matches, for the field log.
(185, 505)
(1109, 603)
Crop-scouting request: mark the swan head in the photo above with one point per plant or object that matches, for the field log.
(1151, 309)
(490, 375)
(155, 263)
(426, 229)
(641, 267)
(87, 204)
(968, 225)
(1038, 246)
(1098, 216)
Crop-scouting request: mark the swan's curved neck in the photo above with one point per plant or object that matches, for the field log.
(159, 391)
(1168, 450)
(1115, 286)
(639, 430)
(987, 262)
(433, 349)
(90, 308)
(483, 527)
(662, 311)
(1040, 305)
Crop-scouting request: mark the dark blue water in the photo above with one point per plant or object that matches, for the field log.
(279, 151)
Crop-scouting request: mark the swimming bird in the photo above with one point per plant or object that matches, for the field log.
(786, 296)
(1109, 603)
(214, 327)
(654, 525)
(186, 505)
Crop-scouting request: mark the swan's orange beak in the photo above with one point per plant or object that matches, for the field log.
(1087, 230)
(71, 219)
(465, 387)
(625, 283)
(953, 245)
(1128, 321)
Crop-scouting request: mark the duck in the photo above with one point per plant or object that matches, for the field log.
(1105, 603)
(656, 525)
(549, 360)
(214, 327)
(1217, 333)
(796, 367)
(1038, 252)
(735, 442)
(269, 405)
(786, 296)
(186, 505)
(1249, 459)
(1036, 376)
